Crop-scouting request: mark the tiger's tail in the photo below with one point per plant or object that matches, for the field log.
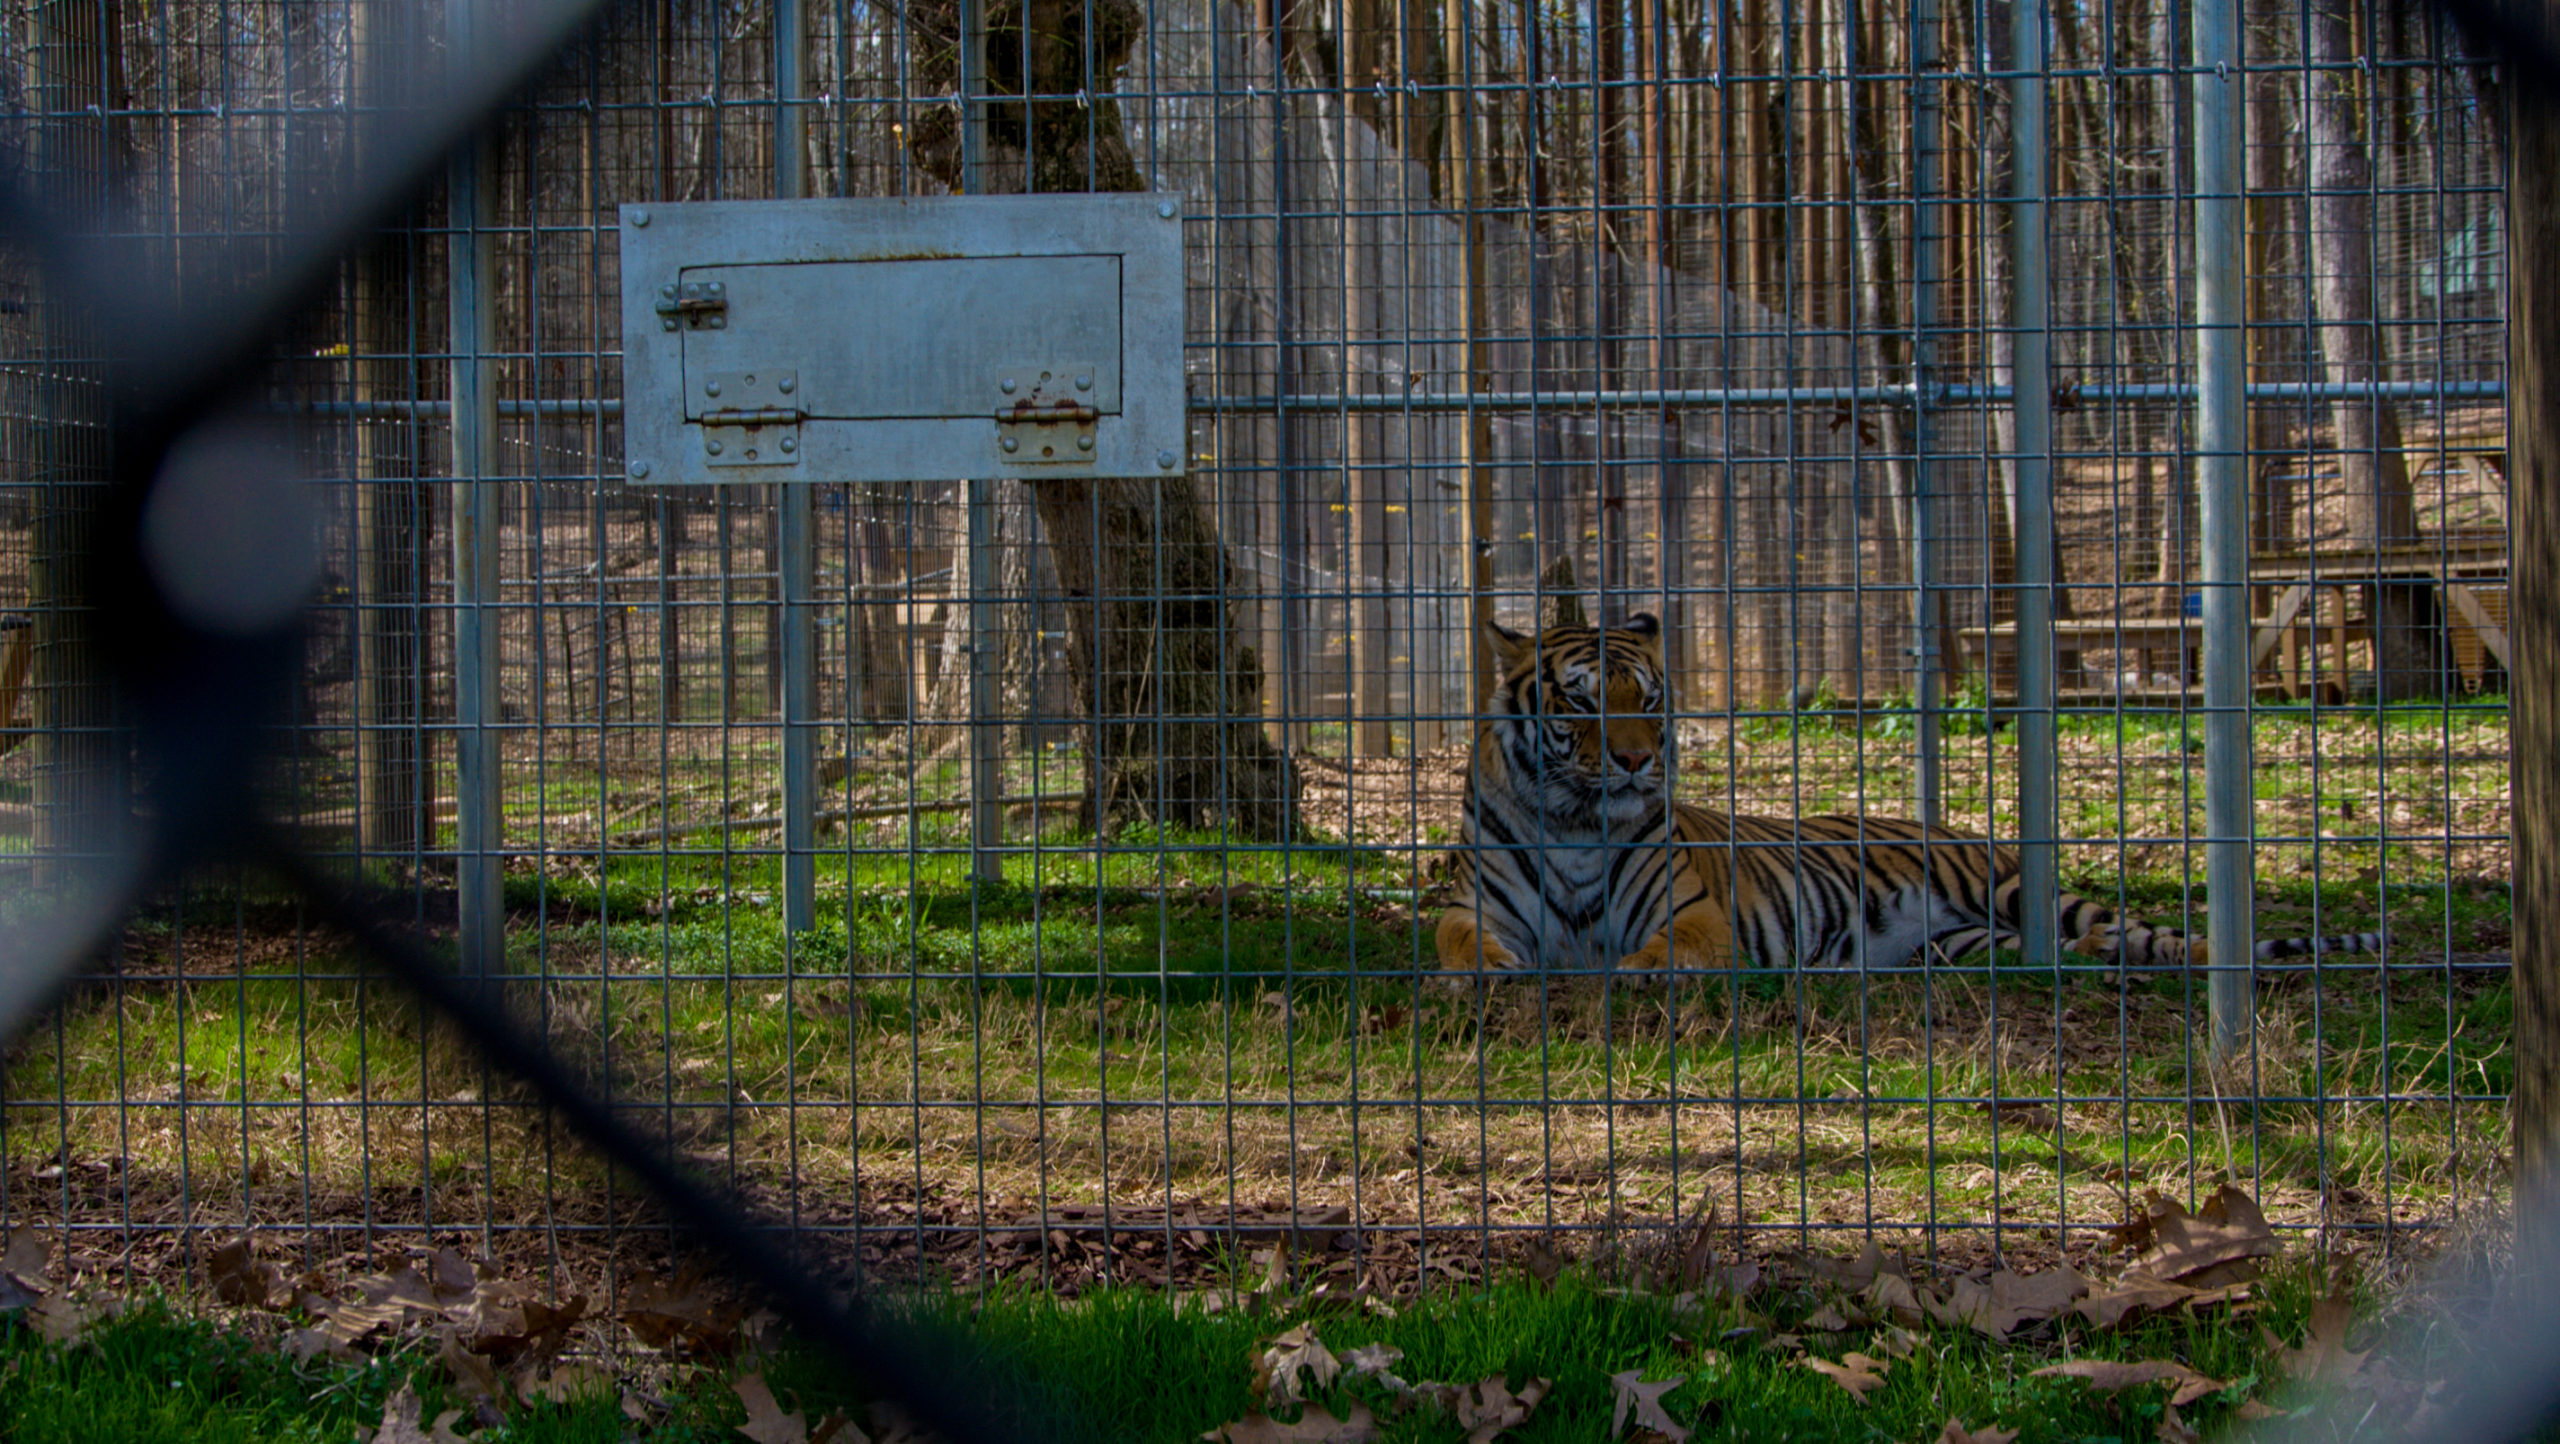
(2096, 931)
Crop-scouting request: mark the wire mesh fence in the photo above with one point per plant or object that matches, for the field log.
(1099, 938)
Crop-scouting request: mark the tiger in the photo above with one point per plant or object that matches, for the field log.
(1573, 857)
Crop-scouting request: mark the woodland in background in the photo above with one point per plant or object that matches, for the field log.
(1419, 199)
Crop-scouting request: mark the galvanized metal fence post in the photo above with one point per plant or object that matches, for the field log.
(472, 309)
(986, 810)
(795, 528)
(2222, 421)
(2032, 397)
(1926, 696)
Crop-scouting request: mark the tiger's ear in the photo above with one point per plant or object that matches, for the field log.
(1510, 648)
(1643, 624)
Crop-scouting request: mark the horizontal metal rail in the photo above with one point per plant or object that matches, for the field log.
(1933, 397)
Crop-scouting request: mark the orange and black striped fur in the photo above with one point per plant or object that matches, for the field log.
(1573, 856)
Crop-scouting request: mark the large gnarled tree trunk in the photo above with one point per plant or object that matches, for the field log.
(2381, 510)
(1167, 683)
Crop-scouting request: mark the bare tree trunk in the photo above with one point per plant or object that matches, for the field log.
(2381, 509)
(1170, 688)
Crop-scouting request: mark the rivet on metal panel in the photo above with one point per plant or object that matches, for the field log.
(1007, 386)
(712, 446)
(1010, 444)
(788, 446)
(1084, 383)
(1166, 459)
(1084, 443)
(711, 388)
(1165, 209)
(639, 218)
(639, 470)
(787, 385)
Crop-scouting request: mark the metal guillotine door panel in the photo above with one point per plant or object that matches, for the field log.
(864, 341)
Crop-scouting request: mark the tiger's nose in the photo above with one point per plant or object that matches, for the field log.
(1632, 759)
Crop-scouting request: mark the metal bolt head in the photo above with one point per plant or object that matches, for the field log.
(1166, 459)
(789, 446)
(1165, 209)
(1010, 444)
(639, 218)
(713, 447)
(710, 388)
(787, 385)
(1084, 383)
(1007, 386)
(1084, 443)
(668, 324)
(639, 470)
(668, 290)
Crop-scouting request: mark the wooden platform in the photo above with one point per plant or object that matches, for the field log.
(2300, 601)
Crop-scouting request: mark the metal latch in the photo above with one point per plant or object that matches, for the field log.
(1045, 415)
(701, 305)
(751, 418)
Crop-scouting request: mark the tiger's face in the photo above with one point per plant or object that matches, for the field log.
(1594, 700)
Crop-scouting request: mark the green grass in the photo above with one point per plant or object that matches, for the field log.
(154, 1374)
(1143, 1366)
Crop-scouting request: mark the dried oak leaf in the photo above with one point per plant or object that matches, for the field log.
(1856, 1373)
(2010, 1301)
(1542, 1262)
(1956, 1433)
(400, 1421)
(563, 1383)
(22, 1270)
(1827, 1320)
(2220, 1243)
(1375, 1361)
(59, 1318)
(344, 1325)
(2324, 1357)
(524, 1332)
(472, 1373)
(1316, 1426)
(1487, 1408)
(2108, 1376)
(1857, 1274)
(239, 1277)
(683, 1317)
(2174, 1430)
(1298, 1351)
(2131, 1296)
(1895, 1297)
(766, 1423)
(1632, 1394)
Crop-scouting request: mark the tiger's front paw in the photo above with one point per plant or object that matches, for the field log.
(1481, 955)
(1650, 963)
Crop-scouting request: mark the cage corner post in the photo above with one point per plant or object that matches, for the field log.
(479, 758)
(795, 526)
(2222, 485)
